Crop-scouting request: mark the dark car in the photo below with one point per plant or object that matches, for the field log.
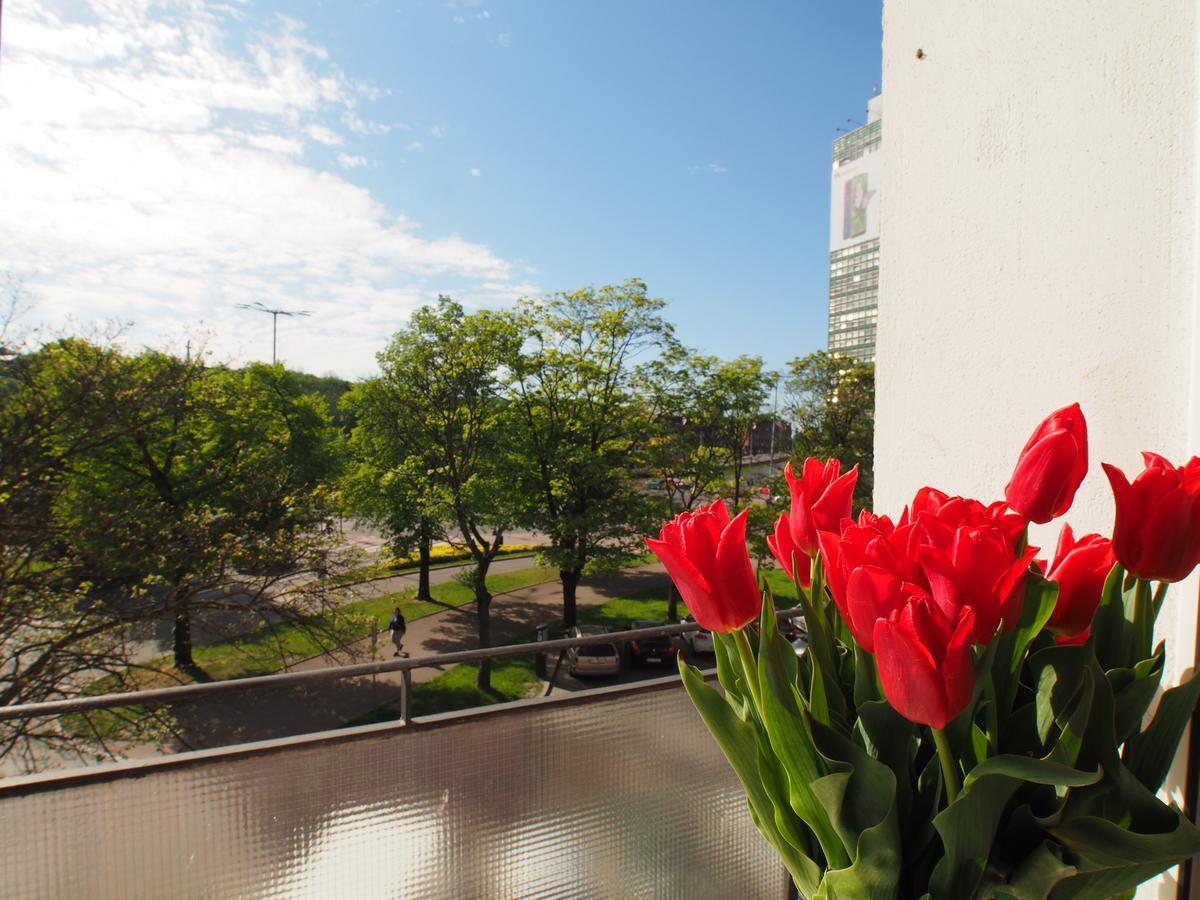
(658, 650)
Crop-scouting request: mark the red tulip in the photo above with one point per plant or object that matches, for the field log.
(872, 594)
(938, 506)
(1080, 569)
(1157, 531)
(820, 500)
(705, 555)
(976, 568)
(790, 557)
(875, 541)
(1051, 467)
(924, 661)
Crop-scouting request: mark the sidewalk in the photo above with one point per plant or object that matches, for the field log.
(263, 714)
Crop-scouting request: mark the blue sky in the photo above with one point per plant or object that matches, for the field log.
(354, 159)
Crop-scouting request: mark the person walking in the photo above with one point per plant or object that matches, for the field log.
(398, 627)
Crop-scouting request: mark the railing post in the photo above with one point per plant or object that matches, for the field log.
(406, 696)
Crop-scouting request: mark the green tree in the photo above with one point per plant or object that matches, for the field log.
(215, 482)
(55, 634)
(579, 425)
(387, 479)
(680, 448)
(441, 382)
(831, 399)
(737, 390)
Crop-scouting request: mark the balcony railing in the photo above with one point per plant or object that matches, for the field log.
(617, 791)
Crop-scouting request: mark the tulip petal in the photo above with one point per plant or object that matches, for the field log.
(836, 502)
(694, 588)
(733, 576)
(871, 593)
(909, 675)
(958, 669)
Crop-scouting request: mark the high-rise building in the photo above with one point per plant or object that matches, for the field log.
(854, 239)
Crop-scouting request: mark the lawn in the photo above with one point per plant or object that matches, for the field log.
(441, 557)
(268, 650)
(512, 679)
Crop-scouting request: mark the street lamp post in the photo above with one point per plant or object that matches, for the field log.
(259, 306)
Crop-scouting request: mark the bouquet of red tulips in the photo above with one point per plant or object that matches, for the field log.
(968, 720)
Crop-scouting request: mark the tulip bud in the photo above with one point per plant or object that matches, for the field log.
(1080, 568)
(1051, 467)
(1156, 535)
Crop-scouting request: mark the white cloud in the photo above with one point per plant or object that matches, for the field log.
(709, 169)
(483, 15)
(438, 131)
(352, 121)
(158, 170)
(413, 145)
(504, 39)
(324, 134)
(474, 173)
(458, 20)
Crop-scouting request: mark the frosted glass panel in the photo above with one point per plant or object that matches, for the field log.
(624, 796)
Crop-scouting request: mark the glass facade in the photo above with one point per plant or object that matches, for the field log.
(621, 793)
(854, 271)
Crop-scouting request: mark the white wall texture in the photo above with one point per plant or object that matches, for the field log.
(1039, 246)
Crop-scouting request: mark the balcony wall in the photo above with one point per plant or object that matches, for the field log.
(618, 793)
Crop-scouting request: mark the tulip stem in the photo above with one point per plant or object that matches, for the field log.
(749, 666)
(946, 756)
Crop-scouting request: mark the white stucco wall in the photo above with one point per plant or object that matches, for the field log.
(1038, 246)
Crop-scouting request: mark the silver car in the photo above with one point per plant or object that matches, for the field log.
(593, 659)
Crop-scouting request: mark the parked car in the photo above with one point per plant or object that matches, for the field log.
(660, 649)
(593, 659)
(697, 641)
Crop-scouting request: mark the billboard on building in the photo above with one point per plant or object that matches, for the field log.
(854, 211)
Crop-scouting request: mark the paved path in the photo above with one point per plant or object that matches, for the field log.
(263, 714)
(151, 640)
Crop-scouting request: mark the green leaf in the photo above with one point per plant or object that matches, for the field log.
(1108, 624)
(1149, 754)
(1133, 692)
(737, 741)
(729, 670)
(1040, 598)
(1111, 859)
(866, 681)
(826, 700)
(1064, 699)
(791, 741)
(1036, 875)
(861, 799)
(968, 825)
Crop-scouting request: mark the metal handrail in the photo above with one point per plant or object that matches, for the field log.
(290, 679)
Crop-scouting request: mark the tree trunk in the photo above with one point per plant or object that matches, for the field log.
(672, 603)
(423, 566)
(183, 639)
(570, 581)
(483, 610)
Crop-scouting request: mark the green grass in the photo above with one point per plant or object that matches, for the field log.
(781, 586)
(404, 566)
(512, 679)
(267, 650)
